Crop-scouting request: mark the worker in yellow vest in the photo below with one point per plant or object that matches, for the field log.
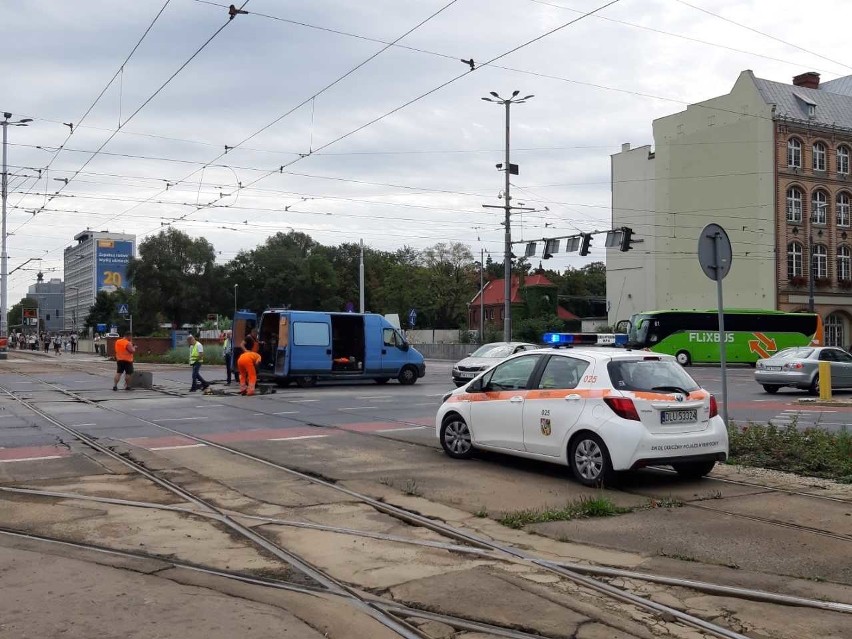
(196, 358)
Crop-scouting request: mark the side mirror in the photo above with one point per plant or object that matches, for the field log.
(475, 386)
(404, 346)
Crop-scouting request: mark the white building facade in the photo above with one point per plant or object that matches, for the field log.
(96, 262)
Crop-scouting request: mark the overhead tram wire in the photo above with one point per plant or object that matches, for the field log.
(120, 69)
(142, 106)
(434, 90)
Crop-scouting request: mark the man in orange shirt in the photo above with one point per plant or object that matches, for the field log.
(124, 350)
(247, 365)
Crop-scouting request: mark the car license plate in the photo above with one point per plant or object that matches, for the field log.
(772, 368)
(467, 375)
(678, 416)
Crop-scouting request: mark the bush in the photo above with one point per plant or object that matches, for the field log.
(532, 329)
(813, 452)
(180, 355)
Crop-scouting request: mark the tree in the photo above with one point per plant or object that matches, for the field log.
(16, 313)
(173, 277)
(583, 291)
(450, 282)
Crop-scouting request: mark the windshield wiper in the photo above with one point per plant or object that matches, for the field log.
(676, 389)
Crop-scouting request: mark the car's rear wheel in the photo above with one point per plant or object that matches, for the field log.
(306, 381)
(683, 358)
(771, 388)
(407, 376)
(589, 460)
(814, 388)
(455, 437)
(694, 470)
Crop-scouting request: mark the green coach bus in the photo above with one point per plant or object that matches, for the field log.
(692, 336)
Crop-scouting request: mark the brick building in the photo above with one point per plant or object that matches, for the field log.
(531, 296)
(770, 162)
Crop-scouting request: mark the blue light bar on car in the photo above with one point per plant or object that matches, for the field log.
(585, 339)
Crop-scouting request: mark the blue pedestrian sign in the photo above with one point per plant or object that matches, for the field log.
(412, 317)
(123, 309)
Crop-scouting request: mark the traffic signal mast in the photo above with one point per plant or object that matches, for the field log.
(621, 237)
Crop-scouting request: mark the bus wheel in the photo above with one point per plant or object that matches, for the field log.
(306, 381)
(683, 358)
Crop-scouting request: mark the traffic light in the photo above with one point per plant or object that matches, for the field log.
(626, 239)
(585, 243)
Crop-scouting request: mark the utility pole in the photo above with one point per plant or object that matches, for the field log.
(507, 223)
(481, 296)
(4, 256)
(361, 278)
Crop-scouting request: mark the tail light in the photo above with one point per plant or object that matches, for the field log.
(714, 408)
(793, 367)
(623, 407)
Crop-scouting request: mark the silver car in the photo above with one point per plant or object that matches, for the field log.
(485, 357)
(799, 367)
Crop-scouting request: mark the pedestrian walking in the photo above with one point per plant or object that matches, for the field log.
(247, 366)
(196, 358)
(228, 354)
(73, 342)
(124, 350)
(57, 344)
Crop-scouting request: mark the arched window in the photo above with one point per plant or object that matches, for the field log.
(794, 260)
(843, 160)
(834, 330)
(794, 205)
(842, 209)
(794, 153)
(820, 261)
(844, 263)
(819, 207)
(819, 156)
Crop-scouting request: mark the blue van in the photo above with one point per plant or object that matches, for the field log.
(304, 346)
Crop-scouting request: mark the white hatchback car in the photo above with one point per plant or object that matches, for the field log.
(596, 410)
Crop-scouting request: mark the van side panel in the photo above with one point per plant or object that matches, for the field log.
(373, 337)
(310, 343)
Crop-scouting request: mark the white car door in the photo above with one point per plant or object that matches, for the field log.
(554, 406)
(496, 413)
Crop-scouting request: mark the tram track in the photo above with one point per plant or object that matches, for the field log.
(462, 536)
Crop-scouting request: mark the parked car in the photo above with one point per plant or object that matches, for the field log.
(484, 358)
(597, 411)
(799, 367)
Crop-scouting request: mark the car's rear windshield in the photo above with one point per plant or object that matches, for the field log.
(650, 375)
(492, 350)
(796, 351)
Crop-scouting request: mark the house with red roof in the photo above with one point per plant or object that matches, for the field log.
(531, 296)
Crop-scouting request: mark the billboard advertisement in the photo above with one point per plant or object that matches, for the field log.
(111, 260)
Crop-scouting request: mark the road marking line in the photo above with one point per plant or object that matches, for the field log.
(178, 447)
(210, 406)
(425, 404)
(9, 461)
(394, 430)
(79, 425)
(303, 400)
(374, 396)
(286, 439)
(177, 419)
(287, 412)
(359, 408)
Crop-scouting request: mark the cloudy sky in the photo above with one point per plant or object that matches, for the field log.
(367, 157)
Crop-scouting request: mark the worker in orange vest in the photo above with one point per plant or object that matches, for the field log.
(247, 366)
(124, 350)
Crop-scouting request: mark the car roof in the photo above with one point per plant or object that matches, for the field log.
(602, 353)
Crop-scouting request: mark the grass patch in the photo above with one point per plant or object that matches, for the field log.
(212, 356)
(663, 502)
(582, 508)
(812, 452)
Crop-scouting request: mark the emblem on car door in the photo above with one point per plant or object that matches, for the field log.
(545, 426)
(678, 397)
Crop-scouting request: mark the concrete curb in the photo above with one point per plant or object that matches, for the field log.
(824, 402)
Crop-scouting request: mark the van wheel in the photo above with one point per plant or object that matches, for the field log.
(590, 462)
(683, 358)
(381, 380)
(455, 437)
(306, 381)
(694, 470)
(407, 376)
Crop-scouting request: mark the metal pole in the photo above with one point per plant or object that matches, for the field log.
(235, 300)
(481, 296)
(361, 278)
(4, 258)
(507, 251)
(810, 270)
(717, 240)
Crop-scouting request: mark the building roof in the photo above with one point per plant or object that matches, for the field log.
(493, 290)
(565, 314)
(833, 101)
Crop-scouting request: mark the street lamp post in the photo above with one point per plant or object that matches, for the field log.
(507, 252)
(4, 256)
(76, 304)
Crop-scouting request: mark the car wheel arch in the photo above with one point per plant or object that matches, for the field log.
(575, 435)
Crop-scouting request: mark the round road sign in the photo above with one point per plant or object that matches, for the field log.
(714, 252)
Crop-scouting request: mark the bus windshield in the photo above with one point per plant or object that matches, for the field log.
(637, 332)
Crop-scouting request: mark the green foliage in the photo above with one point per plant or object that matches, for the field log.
(582, 508)
(531, 330)
(212, 356)
(15, 315)
(813, 452)
(103, 311)
(582, 291)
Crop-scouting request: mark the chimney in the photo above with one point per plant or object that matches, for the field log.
(808, 80)
(625, 147)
